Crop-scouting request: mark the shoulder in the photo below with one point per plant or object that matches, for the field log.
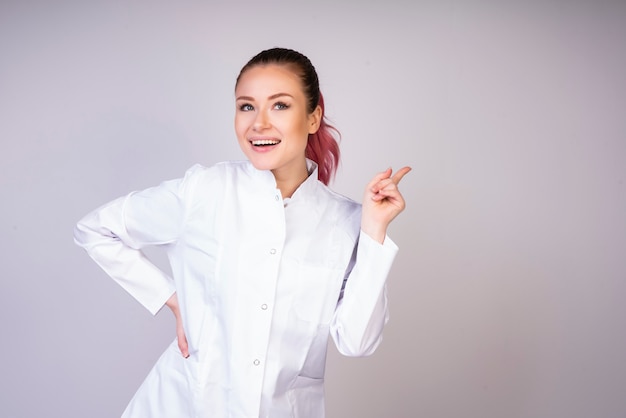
(199, 178)
(345, 212)
(217, 173)
(340, 201)
(217, 169)
(224, 177)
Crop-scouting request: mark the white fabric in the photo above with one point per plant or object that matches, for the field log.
(260, 282)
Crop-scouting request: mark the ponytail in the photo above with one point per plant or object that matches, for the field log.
(323, 148)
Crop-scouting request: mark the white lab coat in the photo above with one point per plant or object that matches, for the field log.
(261, 280)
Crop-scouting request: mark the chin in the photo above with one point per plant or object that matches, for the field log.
(261, 163)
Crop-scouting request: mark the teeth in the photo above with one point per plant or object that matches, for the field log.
(265, 142)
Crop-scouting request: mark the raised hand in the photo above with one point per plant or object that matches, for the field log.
(382, 202)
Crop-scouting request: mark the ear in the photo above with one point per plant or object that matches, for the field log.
(315, 119)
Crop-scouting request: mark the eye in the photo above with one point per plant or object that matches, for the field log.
(281, 106)
(246, 107)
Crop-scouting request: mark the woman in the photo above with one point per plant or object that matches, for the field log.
(266, 260)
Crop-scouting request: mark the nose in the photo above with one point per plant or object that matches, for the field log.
(260, 121)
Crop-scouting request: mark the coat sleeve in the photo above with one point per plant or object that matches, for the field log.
(362, 313)
(114, 234)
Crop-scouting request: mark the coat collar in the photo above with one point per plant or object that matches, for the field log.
(307, 187)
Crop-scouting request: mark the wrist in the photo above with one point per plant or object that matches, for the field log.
(375, 232)
(172, 303)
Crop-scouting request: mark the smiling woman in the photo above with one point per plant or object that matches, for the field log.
(267, 261)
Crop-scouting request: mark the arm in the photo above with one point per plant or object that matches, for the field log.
(361, 313)
(362, 310)
(114, 234)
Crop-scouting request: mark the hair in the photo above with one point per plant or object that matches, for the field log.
(322, 146)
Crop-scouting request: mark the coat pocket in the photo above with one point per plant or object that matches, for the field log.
(307, 397)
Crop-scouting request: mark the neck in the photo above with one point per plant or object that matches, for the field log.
(288, 184)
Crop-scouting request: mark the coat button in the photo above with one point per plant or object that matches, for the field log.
(273, 251)
(256, 362)
(264, 307)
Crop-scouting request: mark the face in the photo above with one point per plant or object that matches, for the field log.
(271, 120)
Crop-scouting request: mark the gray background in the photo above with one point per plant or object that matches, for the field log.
(508, 295)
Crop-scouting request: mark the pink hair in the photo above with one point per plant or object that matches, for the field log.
(323, 148)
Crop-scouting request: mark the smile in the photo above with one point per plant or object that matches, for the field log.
(264, 142)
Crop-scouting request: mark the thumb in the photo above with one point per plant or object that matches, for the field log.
(378, 177)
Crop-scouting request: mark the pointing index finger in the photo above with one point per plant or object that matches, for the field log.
(399, 174)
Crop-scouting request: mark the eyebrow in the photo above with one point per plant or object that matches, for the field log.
(272, 97)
